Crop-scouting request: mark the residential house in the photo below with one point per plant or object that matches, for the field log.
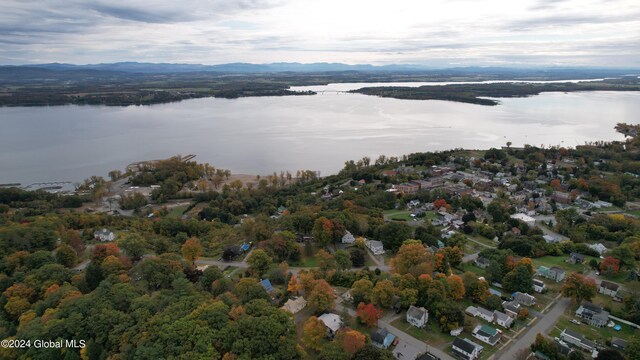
(524, 218)
(554, 273)
(466, 349)
(618, 343)
(601, 249)
(376, 247)
(538, 285)
(608, 288)
(332, 322)
(472, 311)
(487, 334)
(405, 351)
(482, 262)
(511, 308)
(524, 299)
(593, 314)
(382, 338)
(295, 304)
(575, 258)
(417, 316)
(484, 314)
(104, 235)
(409, 188)
(562, 197)
(266, 284)
(502, 319)
(348, 238)
(577, 339)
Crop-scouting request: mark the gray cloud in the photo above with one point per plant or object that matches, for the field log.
(215, 31)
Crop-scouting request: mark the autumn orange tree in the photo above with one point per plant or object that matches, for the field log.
(322, 231)
(352, 341)
(191, 249)
(293, 287)
(314, 332)
(579, 287)
(456, 287)
(368, 314)
(101, 251)
(321, 297)
(410, 254)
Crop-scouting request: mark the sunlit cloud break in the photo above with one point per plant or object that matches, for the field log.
(434, 33)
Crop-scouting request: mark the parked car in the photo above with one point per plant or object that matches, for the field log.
(577, 322)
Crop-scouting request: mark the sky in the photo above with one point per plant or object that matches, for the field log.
(601, 33)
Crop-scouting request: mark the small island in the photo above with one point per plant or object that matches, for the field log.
(480, 93)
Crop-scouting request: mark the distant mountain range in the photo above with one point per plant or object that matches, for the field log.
(159, 68)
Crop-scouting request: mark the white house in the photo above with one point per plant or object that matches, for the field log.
(466, 349)
(524, 299)
(348, 238)
(294, 305)
(486, 334)
(502, 319)
(485, 314)
(104, 235)
(524, 218)
(538, 285)
(417, 316)
(376, 247)
(332, 322)
(608, 288)
(601, 249)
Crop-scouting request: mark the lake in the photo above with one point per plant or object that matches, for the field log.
(260, 135)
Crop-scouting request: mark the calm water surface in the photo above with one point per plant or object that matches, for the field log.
(266, 134)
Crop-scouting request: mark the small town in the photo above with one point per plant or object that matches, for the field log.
(507, 253)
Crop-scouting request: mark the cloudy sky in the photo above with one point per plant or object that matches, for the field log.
(429, 32)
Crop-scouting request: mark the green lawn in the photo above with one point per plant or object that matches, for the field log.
(403, 217)
(634, 212)
(305, 262)
(483, 240)
(599, 335)
(464, 267)
(620, 277)
(560, 261)
(431, 215)
(177, 211)
(430, 334)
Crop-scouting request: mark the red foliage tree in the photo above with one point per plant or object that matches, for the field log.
(439, 203)
(610, 265)
(102, 251)
(368, 314)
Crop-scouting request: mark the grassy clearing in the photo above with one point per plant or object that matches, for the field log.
(483, 241)
(305, 262)
(177, 211)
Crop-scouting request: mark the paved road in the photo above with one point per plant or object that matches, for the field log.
(542, 325)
